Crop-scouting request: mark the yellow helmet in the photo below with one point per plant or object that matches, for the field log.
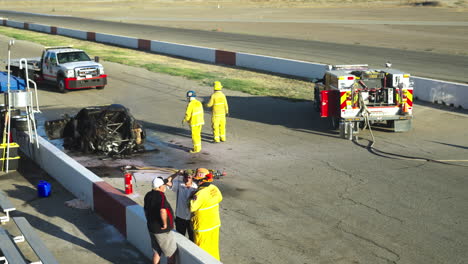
(217, 86)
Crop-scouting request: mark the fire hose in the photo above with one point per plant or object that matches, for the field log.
(365, 113)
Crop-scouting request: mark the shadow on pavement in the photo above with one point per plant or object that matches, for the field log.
(51, 216)
(300, 116)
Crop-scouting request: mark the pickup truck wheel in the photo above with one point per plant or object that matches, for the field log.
(100, 87)
(61, 85)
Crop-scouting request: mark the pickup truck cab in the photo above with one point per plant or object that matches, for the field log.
(66, 67)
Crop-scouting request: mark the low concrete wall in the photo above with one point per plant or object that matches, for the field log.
(280, 65)
(137, 232)
(440, 92)
(111, 204)
(187, 51)
(15, 24)
(191, 253)
(115, 207)
(40, 28)
(71, 33)
(117, 40)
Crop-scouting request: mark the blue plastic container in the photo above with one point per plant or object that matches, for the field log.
(43, 189)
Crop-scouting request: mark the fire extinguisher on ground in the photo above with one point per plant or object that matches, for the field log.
(128, 182)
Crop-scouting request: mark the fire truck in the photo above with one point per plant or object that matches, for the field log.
(355, 96)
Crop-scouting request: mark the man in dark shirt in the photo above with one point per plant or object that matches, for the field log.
(160, 222)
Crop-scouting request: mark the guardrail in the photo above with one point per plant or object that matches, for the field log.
(115, 207)
(430, 90)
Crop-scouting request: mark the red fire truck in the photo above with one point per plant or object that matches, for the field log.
(352, 96)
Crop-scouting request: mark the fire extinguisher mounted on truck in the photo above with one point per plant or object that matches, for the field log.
(353, 96)
(65, 67)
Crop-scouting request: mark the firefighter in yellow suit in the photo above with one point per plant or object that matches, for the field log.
(220, 110)
(204, 207)
(194, 116)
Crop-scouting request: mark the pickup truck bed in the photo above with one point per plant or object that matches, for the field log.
(33, 63)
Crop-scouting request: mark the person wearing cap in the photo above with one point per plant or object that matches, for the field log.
(204, 206)
(159, 220)
(184, 190)
(194, 116)
(220, 109)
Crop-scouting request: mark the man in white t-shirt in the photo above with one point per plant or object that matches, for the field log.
(184, 188)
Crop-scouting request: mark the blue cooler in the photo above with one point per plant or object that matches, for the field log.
(43, 189)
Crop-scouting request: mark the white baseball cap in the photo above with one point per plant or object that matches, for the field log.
(158, 181)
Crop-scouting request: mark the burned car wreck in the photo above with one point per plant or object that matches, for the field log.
(110, 130)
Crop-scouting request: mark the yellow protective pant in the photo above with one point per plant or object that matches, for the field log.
(219, 128)
(208, 241)
(196, 138)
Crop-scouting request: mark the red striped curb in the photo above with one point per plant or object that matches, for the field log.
(91, 36)
(144, 44)
(111, 205)
(225, 57)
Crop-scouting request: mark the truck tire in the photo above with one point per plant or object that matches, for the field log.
(100, 87)
(61, 84)
(317, 100)
(15, 72)
(22, 74)
(334, 122)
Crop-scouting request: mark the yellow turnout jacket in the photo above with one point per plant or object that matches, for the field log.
(205, 208)
(194, 113)
(219, 103)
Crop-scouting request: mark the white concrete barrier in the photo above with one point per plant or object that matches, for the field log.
(122, 41)
(435, 91)
(72, 175)
(79, 181)
(15, 24)
(280, 65)
(187, 51)
(137, 234)
(72, 33)
(40, 28)
(191, 253)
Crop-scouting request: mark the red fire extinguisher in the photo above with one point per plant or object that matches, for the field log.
(128, 183)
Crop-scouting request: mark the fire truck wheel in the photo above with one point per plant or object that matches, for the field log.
(61, 85)
(334, 122)
(317, 107)
(100, 87)
(390, 123)
(22, 75)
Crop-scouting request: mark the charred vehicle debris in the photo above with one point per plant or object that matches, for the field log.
(110, 130)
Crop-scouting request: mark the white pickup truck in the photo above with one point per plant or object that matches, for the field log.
(66, 67)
